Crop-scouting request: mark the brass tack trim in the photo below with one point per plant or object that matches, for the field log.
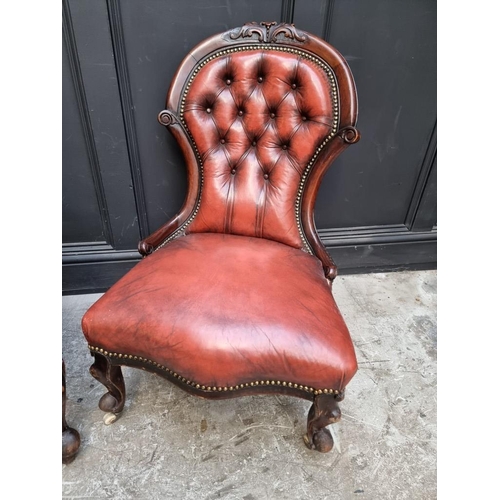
(255, 383)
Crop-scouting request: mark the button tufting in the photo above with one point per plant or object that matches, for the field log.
(250, 118)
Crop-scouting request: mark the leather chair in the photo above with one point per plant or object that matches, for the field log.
(233, 296)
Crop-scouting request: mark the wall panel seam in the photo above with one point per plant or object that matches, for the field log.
(422, 179)
(123, 79)
(83, 109)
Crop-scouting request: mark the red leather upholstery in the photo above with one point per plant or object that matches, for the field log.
(234, 292)
(222, 310)
(256, 118)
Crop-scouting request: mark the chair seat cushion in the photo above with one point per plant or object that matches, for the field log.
(223, 310)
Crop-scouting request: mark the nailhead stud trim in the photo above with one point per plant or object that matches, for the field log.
(198, 386)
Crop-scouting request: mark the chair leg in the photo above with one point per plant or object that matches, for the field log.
(111, 377)
(70, 436)
(324, 411)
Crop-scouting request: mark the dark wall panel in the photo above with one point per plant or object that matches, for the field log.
(81, 220)
(426, 216)
(158, 35)
(91, 30)
(391, 49)
(123, 175)
(315, 16)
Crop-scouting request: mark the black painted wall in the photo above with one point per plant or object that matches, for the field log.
(123, 175)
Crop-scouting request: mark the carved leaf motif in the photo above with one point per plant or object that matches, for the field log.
(268, 32)
(248, 30)
(289, 31)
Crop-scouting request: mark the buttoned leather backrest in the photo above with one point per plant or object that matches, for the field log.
(260, 112)
(257, 116)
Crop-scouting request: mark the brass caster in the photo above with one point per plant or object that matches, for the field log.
(109, 418)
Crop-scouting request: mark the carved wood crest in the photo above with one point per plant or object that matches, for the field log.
(268, 32)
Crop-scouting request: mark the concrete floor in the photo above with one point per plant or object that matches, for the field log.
(168, 444)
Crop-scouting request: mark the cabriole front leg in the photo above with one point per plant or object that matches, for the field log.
(324, 411)
(111, 377)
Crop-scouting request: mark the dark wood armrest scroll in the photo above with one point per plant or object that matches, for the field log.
(350, 135)
(167, 118)
(170, 120)
(151, 242)
(341, 140)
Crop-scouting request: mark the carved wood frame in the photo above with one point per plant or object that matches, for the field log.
(280, 36)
